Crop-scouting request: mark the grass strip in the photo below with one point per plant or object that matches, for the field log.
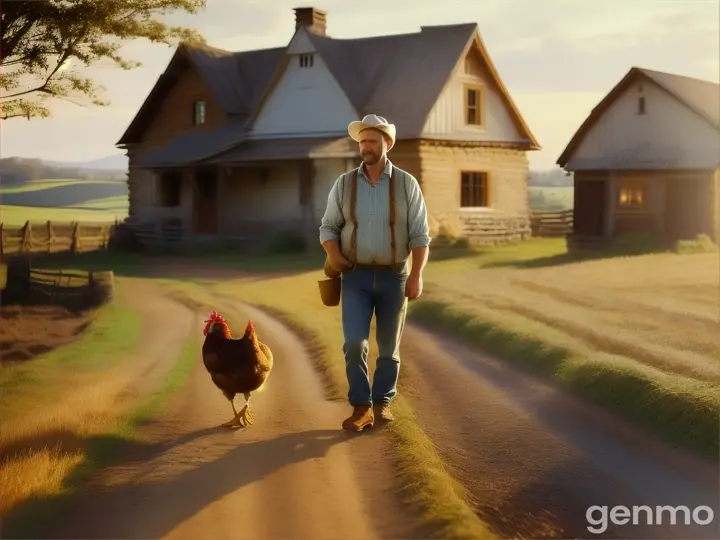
(682, 411)
(425, 482)
(33, 518)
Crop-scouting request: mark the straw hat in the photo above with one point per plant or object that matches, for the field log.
(371, 121)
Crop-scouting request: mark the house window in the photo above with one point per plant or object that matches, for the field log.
(169, 189)
(631, 197)
(473, 106)
(468, 64)
(641, 105)
(306, 60)
(474, 190)
(198, 112)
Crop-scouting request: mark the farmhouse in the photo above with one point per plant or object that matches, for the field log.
(246, 144)
(647, 160)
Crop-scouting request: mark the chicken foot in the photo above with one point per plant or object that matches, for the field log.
(234, 421)
(244, 418)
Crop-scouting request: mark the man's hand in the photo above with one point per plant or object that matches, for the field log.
(339, 262)
(335, 257)
(413, 286)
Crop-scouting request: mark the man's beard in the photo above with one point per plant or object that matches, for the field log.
(370, 158)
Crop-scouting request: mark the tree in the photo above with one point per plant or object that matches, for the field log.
(42, 41)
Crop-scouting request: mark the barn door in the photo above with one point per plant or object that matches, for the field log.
(589, 211)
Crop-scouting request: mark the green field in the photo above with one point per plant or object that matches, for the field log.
(64, 199)
(18, 215)
(38, 185)
(550, 198)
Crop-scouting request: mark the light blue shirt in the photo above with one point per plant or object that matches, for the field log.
(373, 217)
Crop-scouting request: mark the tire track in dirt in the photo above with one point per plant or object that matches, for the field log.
(534, 458)
(293, 474)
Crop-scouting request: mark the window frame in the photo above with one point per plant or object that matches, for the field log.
(486, 195)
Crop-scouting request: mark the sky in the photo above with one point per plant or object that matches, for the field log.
(558, 58)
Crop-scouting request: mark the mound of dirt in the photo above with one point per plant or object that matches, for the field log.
(27, 331)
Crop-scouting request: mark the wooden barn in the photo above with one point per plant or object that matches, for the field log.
(647, 160)
(245, 144)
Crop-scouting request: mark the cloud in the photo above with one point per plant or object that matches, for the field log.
(684, 43)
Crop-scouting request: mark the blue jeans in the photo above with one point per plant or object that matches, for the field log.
(364, 292)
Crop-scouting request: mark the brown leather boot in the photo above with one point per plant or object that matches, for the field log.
(361, 418)
(383, 412)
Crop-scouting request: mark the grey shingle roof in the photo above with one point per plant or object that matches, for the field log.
(399, 76)
(194, 146)
(296, 148)
(703, 97)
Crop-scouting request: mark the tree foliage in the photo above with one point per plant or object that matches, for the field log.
(42, 43)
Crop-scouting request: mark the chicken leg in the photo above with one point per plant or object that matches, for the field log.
(234, 421)
(245, 416)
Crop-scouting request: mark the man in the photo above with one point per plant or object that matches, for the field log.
(375, 217)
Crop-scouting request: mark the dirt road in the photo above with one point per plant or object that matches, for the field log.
(293, 474)
(535, 459)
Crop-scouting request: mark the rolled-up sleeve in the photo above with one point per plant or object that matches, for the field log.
(333, 220)
(418, 228)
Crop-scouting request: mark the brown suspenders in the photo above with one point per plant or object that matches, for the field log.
(353, 216)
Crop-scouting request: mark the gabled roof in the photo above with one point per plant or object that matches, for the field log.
(398, 76)
(701, 97)
(401, 76)
(236, 80)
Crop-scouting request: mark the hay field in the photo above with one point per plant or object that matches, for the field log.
(659, 310)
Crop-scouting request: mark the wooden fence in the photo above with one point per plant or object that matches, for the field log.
(551, 224)
(70, 288)
(53, 237)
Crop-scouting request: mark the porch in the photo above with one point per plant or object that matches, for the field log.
(672, 205)
(246, 195)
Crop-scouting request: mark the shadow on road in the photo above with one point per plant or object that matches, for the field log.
(151, 509)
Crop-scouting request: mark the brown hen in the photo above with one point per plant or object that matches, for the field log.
(236, 365)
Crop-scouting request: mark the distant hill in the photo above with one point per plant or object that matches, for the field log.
(117, 162)
(16, 171)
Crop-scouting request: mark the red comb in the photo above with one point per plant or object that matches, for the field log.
(215, 317)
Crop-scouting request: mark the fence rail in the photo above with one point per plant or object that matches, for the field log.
(53, 237)
(552, 224)
(71, 288)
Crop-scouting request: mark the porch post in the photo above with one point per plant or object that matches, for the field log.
(611, 196)
(307, 179)
(189, 186)
(224, 174)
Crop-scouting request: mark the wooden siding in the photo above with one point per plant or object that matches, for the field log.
(327, 171)
(406, 155)
(174, 117)
(175, 112)
(244, 196)
(305, 101)
(677, 204)
(441, 168)
(447, 119)
(668, 135)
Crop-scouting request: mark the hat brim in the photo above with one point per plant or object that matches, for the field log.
(354, 129)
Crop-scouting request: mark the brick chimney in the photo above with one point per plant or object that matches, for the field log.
(315, 20)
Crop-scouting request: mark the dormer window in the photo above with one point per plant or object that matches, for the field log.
(306, 60)
(198, 112)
